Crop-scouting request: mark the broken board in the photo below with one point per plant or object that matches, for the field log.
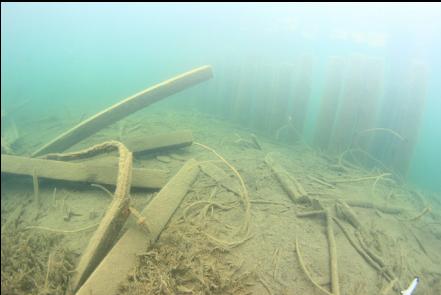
(113, 269)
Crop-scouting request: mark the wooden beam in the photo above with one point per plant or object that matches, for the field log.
(113, 269)
(80, 172)
(124, 108)
(177, 139)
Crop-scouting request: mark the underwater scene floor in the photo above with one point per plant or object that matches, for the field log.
(261, 217)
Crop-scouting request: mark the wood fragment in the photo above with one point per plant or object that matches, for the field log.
(320, 213)
(106, 278)
(346, 212)
(374, 256)
(360, 251)
(256, 141)
(286, 181)
(363, 204)
(161, 142)
(335, 283)
(124, 108)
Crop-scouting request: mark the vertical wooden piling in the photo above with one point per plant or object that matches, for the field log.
(243, 97)
(301, 92)
(272, 99)
(411, 110)
(261, 98)
(369, 102)
(282, 94)
(344, 126)
(329, 102)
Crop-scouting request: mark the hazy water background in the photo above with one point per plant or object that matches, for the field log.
(88, 56)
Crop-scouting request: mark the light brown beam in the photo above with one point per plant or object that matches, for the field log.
(124, 108)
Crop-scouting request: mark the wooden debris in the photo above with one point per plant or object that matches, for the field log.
(256, 141)
(335, 284)
(113, 269)
(346, 212)
(362, 204)
(172, 140)
(124, 108)
(294, 190)
(360, 251)
(116, 215)
(311, 213)
(80, 172)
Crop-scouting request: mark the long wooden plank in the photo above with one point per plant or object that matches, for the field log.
(80, 172)
(125, 108)
(113, 269)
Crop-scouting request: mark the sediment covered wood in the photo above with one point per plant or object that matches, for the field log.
(335, 283)
(346, 212)
(362, 204)
(289, 186)
(177, 139)
(80, 172)
(125, 108)
(113, 269)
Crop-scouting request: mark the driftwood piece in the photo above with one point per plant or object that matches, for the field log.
(345, 212)
(291, 186)
(113, 269)
(177, 139)
(80, 172)
(368, 205)
(116, 215)
(125, 108)
(335, 285)
(357, 247)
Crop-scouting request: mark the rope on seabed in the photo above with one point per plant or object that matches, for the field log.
(244, 193)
